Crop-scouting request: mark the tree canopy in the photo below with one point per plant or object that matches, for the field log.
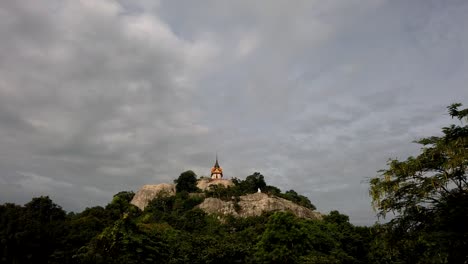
(173, 230)
(429, 195)
(187, 181)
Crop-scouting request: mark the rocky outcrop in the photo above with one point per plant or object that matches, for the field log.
(205, 183)
(248, 205)
(254, 205)
(148, 192)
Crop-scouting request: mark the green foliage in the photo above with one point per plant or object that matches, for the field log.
(283, 241)
(123, 242)
(241, 187)
(170, 230)
(272, 190)
(178, 210)
(287, 239)
(187, 181)
(336, 218)
(429, 193)
(354, 242)
(173, 230)
(31, 233)
(160, 207)
(11, 227)
(252, 183)
(294, 197)
(83, 227)
(223, 193)
(120, 205)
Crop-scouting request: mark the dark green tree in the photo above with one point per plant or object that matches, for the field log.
(272, 190)
(336, 218)
(429, 195)
(11, 226)
(187, 181)
(252, 183)
(288, 239)
(83, 227)
(282, 240)
(33, 233)
(353, 242)
(298, 199)
(121, 205)
(123, 242)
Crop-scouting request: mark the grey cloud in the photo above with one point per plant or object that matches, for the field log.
(110, 95)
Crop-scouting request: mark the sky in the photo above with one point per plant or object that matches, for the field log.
(98, 97)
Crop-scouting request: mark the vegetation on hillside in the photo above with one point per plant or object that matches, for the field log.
(252, 184)
(173, 230)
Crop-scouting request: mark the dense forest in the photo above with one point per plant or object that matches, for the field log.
(428, 195)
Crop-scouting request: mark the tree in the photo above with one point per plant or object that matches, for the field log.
(82, 228)
(336, 218)
(253, 182)
(120, 205)
(285, 239)
(354, 241)
(123, 242)
(11, 224)
(187, 181)
(298, 199)
(33, 233)
(288, 239)
(429, 195)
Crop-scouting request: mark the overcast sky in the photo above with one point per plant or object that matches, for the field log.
(97, 97)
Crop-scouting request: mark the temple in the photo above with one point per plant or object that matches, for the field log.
(216, 171)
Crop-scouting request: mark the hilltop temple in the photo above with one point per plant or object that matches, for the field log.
(216, 171)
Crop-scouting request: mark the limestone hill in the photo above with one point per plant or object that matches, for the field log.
(151, 191)
(247, 205)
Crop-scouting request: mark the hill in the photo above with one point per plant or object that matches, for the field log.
(246, 205)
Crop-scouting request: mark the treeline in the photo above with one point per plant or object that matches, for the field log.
(173, 230)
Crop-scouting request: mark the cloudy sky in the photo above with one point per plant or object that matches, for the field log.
(102, 96)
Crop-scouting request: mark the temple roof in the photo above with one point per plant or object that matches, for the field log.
(216, 168)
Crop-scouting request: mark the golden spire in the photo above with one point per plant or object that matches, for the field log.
(216, 163)
(216, 171)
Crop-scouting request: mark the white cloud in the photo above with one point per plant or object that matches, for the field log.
(98, 97)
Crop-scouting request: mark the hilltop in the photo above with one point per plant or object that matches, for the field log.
(224, 197)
